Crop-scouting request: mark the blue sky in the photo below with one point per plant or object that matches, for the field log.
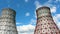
(26, 12)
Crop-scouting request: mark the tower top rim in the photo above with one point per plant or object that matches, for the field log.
(9, 9)
(12, 10)
(42, 8)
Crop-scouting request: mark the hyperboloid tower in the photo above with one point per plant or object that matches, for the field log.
(45, 23)
(7, 21)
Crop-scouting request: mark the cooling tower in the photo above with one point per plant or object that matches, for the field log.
(8, 22)
(45, 23)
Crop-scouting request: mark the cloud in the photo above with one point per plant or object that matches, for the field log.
(53, 9)
(49, 1)
(57, 19)
(37, 4)
(27, 14)
(57, 0)
(18, 23)
(33, 21)
(26, 0)
(26, 29)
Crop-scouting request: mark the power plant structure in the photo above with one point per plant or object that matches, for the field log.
(8, 22)
(45, 23)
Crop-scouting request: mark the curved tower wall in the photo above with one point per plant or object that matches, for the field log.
(45, 23)
(7, 22)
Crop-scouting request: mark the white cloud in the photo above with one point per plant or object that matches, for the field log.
(49, 1)
(57, 0)
(26, 29)
(57, 19)
(18, 23)
(26, 0)
(53, 9)
(33, 21)
(27, 14)
(37, 4)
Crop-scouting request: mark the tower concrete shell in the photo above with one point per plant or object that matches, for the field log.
(8, 22)
(45, 23)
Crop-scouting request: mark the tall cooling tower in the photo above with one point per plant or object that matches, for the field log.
(7, 22)
(45, 23)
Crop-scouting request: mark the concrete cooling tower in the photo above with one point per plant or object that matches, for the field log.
(8, 22)
(45, 23)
